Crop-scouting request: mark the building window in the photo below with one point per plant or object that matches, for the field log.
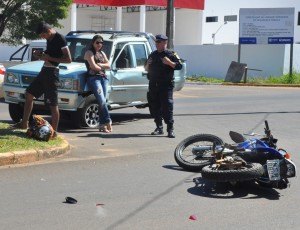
(230, 18)
(212, 19)
(298, 18)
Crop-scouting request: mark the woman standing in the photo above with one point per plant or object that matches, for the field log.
(96, 63)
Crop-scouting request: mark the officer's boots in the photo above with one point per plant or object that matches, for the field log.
(159, 130)
(170, 130)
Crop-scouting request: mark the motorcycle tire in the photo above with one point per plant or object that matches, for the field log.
(249, 172)
(195, 161)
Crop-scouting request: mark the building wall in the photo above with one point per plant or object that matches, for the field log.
(191, 27)
(187, 23)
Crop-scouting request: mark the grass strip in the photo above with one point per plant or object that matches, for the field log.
(17, 140)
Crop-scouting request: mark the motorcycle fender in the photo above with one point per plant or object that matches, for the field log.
(291, 168)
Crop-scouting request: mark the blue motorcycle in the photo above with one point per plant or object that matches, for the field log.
(254, 158)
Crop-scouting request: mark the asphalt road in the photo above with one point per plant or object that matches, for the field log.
(143, 188)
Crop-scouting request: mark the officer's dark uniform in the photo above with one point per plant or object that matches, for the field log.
(161, 84)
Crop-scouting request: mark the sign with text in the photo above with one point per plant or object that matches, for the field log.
(266, 25)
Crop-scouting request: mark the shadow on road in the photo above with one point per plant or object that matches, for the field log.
(173, 167)
(66, 125)
(225, 114)
(245, 190)
(115, 135)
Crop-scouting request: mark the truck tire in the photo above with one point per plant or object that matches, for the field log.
(15, 111)
(87, 116)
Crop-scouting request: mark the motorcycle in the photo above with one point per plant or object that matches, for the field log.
(254, 158)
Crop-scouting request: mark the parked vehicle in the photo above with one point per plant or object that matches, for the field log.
(2, 72)
(256, 159)
(128, 83)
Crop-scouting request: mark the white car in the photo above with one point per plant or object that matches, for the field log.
(2, 72)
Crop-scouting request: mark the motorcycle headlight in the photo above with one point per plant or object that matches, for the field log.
(11, 78)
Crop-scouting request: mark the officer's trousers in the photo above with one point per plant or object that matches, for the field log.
(160, 99)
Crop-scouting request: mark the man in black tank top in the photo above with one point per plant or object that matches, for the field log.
(47, 80)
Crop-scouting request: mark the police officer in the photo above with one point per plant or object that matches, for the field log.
(160, 66)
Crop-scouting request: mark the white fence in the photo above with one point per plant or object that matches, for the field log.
(214, 60)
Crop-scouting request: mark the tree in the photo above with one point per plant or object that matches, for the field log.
(18, 18)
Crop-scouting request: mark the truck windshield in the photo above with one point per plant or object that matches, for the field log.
(79, 46)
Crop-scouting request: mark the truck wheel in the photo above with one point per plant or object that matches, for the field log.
(88, 116)
(15, 112)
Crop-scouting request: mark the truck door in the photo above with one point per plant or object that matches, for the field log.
(129, 81)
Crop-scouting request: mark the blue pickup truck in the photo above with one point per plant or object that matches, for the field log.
(128, 83)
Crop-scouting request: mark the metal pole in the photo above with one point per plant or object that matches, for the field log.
(170, 23)
(245, 75)
(291, 60)
(239, 53)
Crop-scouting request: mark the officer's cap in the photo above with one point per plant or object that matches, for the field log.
(161, 37)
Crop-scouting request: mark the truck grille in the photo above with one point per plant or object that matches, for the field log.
(27, 79)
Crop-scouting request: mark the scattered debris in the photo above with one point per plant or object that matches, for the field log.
(100, 212)
(70, 200)
(193, 217)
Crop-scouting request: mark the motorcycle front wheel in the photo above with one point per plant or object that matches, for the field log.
(192, 159)
(248, 172)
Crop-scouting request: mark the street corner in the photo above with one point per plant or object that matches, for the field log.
(33, 155)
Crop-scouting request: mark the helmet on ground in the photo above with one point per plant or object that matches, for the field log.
(43, 133)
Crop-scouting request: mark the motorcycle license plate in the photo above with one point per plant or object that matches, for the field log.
(273, 169)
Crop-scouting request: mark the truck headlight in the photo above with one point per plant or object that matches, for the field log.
(11, 78)
(69, 84)
(66, 83)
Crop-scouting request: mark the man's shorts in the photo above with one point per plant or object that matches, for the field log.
(46, 83)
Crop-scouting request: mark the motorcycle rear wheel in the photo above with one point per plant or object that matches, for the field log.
(249, 172)
(190, 161)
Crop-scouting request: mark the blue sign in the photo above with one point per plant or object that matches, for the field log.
(248, 40)
(281, 40)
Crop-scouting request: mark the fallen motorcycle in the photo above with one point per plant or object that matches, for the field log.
(254, 158)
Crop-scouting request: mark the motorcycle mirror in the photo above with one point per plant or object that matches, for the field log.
(236, 137)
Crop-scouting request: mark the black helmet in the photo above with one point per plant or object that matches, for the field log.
(43, 133)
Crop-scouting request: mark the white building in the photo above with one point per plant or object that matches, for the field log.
(192, 27)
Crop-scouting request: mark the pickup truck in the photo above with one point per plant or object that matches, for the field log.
(128, 83)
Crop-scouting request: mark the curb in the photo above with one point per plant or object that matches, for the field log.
(263, 85)
(28, 156)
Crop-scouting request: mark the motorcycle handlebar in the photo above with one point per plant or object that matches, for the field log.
(267, 125)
